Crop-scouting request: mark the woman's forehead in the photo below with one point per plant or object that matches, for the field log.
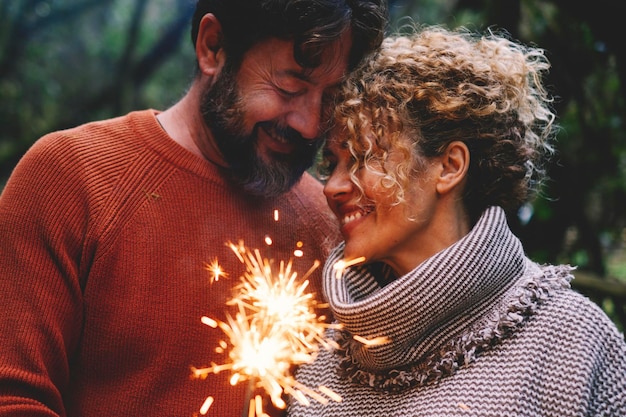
(335, 143)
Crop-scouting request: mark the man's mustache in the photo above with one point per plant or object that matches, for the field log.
(289, 134)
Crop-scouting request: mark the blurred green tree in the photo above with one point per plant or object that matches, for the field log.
(65, 62)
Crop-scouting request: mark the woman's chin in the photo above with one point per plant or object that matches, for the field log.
(352, 251)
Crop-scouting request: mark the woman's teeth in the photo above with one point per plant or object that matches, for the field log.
(351, 217)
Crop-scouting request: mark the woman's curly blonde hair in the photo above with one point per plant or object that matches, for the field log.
(425, 90)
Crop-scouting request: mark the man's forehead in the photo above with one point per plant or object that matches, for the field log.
(333, 62)
(331, 74)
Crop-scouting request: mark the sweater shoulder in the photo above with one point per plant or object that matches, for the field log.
(574, 323)
(577, 307)
(103, 139)
(78, 169)
(92, 153)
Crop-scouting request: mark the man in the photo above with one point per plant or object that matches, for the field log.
(107, 229)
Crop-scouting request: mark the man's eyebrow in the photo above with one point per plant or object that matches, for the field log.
(305, 76)
(302, 75)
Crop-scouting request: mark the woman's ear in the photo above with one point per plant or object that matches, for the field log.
(455, 162)
(209, 51)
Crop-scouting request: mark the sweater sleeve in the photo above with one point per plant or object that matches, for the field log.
(42, 224)
(608, 396)
(587, 358)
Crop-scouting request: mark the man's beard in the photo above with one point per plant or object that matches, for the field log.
(223, 110)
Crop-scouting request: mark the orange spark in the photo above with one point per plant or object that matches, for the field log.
(215, 270)
(341, 265)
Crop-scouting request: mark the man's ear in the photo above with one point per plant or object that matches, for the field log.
(209, 51)
(455, 162)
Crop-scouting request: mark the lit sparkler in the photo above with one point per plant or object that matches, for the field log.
(275, 327)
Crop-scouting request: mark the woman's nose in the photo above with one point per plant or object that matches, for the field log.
(338, 184)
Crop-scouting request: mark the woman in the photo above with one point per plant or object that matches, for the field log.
(438, 138)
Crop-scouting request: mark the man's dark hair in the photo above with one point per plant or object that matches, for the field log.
(311, 24)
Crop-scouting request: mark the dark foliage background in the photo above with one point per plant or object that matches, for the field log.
(65, 62)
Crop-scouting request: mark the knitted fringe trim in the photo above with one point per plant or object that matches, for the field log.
(465, 348)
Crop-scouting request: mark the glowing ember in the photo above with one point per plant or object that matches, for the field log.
(215, 270)
(341, 265)
(209, 322)
(371, 342)
(207, 404)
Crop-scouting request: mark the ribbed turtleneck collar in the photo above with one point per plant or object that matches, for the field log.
(440, 310)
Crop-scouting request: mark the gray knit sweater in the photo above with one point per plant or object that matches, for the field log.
(476, 330)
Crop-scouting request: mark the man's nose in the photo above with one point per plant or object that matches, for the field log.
(305, 116)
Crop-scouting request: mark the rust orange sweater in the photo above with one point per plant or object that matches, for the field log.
(105, 231)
